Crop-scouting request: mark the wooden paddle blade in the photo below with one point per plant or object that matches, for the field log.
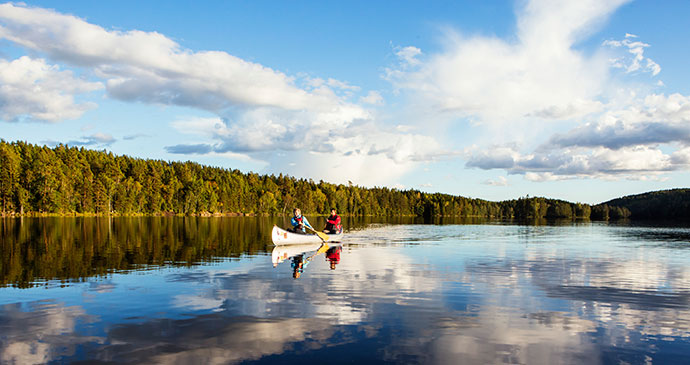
(322, 235)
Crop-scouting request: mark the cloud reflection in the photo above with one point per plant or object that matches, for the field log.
(451, 299)
(40, 332)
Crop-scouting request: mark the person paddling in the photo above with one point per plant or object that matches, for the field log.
(333, 223)
(299, 222)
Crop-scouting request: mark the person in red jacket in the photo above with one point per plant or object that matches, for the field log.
(333, 223)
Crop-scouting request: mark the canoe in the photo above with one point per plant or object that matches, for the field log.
(281, 237)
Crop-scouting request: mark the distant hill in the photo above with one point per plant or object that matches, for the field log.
(662, 204)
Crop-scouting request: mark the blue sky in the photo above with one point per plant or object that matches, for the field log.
(578, 100)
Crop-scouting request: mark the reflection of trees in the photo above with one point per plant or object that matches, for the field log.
(34, 249)
(72, 248)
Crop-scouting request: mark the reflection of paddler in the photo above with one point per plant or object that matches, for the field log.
(299, 262)
(333, 255)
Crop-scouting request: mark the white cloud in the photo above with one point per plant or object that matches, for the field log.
(101, 138)
(405, 128)
(645, 139)
(260, 110)
(494, 157)
(622, 143)
(638, 63)
(363, 153)
(408, 55)
(656, 119)
(539, 74)
(638, 162)
(207, 127)
(134, 136)
(499, 181)
(33, 89)
(512, 87)
(373, 98)
(640, 141)
(149, 67)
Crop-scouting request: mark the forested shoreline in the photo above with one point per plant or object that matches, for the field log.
(63, 180)
(662, 204)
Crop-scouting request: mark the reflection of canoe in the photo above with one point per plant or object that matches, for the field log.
(284, 252)
(282, 237)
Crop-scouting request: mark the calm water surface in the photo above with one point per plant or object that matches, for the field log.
(211, 290)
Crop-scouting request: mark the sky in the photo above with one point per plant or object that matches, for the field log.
(583, 100)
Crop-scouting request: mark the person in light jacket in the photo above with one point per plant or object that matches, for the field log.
(299, 222)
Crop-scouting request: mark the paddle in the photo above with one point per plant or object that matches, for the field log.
(324, 247)
(322, 236)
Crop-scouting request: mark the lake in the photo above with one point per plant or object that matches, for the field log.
(211, 290)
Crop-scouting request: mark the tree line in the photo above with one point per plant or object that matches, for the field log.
(68, 180)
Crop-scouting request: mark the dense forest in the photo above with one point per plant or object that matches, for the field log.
(36, 180)
(663, 204)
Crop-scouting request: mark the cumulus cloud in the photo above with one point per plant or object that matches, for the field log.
(408, 55)
(499, 181)
(635, 61)
(657, 119)
(149, 67)
(332, 83)
(496, 157)
(190, 149)
(635, 142)
(134, 136)
(35, 90)
(363, 152)
(540, 73)
(638, 162)
(373, 98)
(621, 131)
(620, 135)
(96, 139)
(645, 138)
(259, 110)
(326, 130)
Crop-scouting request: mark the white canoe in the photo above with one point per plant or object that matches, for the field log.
(280, 237)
